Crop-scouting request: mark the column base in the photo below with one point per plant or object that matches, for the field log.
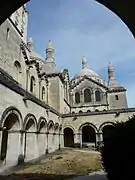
(59, 147)
(77, 145)
(47, 151)
(20, 159)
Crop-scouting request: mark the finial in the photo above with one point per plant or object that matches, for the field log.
(110, 66)
(84, 62)
(49, 45)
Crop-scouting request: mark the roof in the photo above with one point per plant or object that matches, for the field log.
(50, 68)
(35, 55)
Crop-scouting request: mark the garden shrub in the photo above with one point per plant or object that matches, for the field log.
(118, 152)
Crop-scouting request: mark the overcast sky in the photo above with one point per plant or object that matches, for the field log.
(84, 28)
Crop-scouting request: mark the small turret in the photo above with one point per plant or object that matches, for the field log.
(49, 52)
(116, 93)
(111, 77)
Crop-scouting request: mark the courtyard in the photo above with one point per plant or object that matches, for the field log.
(60, 165)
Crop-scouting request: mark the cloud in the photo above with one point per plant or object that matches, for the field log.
(87, 28)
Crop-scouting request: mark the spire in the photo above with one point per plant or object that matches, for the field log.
(30, 43)
(110, 71)
(111, 76)
(49, 52)
(84, 62)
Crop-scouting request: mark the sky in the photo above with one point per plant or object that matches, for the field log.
(80, 28)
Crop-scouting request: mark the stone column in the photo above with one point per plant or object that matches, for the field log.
(99, 138)
(93, 96)
(22, 145)
(81, 140)
(61, 140)
(47, 143)
(81, 97)
(36, 144)
(0, 139)
(77, 140)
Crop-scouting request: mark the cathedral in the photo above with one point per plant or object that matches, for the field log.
(41, 108)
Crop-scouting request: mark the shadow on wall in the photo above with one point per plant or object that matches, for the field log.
(118, 152)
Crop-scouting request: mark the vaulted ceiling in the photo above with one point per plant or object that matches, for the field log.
(125, 9)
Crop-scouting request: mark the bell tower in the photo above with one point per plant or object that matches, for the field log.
(116, 93)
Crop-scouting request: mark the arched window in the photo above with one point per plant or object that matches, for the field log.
(17, 67)
(88, 111)
(87, 95)
(77, 97)
(80, 112)
(32, 84)
(43, 93)
(98, 95)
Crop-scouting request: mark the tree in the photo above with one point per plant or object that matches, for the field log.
(118, 152)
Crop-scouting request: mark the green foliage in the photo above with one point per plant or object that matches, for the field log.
(118, 152)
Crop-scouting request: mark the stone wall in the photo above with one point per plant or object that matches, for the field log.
(32, 137)
(96, 120)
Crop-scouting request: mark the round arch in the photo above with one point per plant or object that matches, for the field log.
(12, 110)
(105, 124)
(106, 129)
(88, 124)
(88, 131)
(50, 126)
(42, 124)
(30, 120)
(69, 126)
(68, 137)
(11, 121)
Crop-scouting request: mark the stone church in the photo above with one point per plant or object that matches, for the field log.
(41, 108)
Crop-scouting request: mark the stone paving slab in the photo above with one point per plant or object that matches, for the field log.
(93, 176)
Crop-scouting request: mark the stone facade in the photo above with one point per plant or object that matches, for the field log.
(42, 110)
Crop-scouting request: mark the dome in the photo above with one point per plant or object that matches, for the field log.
(86, 71)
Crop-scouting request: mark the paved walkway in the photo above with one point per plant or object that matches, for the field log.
(93, 176)
(88, 151)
